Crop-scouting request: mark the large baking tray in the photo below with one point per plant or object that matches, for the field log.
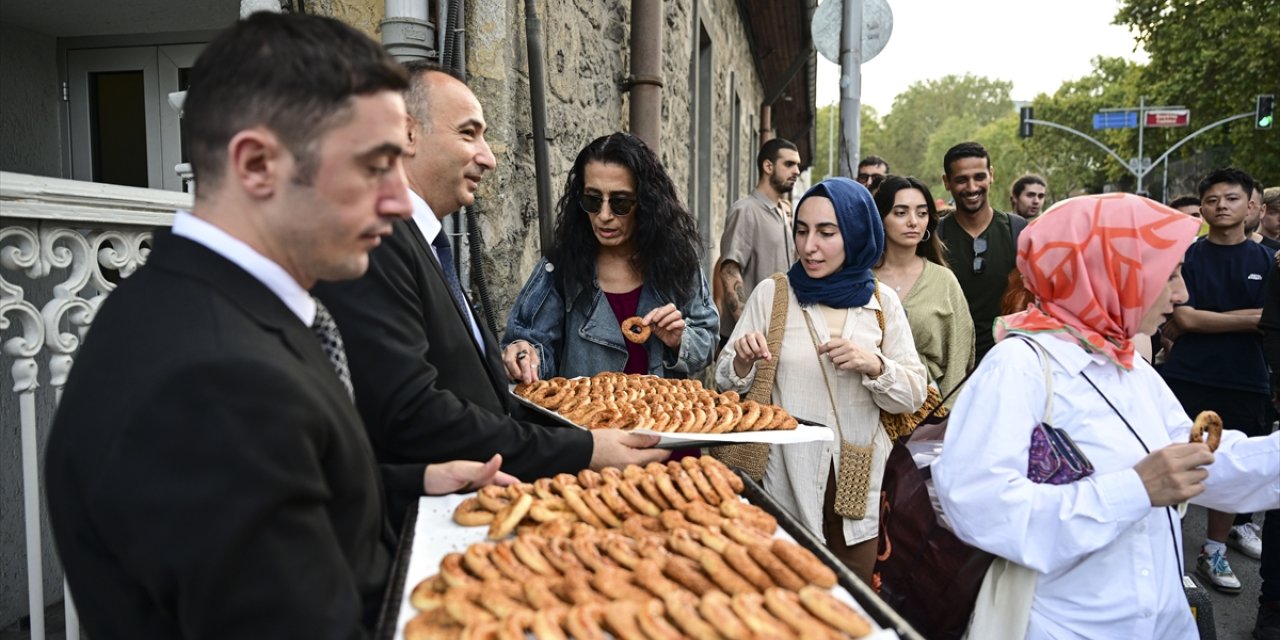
(884, 616)
(806, 431)
(444, 533)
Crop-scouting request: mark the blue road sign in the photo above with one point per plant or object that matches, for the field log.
(1115, 120)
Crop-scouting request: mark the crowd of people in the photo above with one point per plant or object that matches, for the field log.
(256, 409)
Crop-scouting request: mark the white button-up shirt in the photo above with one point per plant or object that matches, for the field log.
(1108, 561)
(431, 227)
(259, 266)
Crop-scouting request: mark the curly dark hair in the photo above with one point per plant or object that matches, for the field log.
(665, 233)
(931, 249)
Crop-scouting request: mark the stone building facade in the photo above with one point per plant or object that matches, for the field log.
(587, 61)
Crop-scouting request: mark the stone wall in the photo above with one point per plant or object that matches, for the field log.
(586, 47)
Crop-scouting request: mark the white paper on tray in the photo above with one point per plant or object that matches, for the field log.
(802, 432)
(436, 535)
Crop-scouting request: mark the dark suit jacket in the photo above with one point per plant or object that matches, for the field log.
(426, 392)
(207, 475)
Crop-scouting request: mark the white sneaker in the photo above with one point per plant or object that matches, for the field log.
(1245, 538)
(1217, 572)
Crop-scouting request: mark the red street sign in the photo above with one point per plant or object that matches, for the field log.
(1169, 118)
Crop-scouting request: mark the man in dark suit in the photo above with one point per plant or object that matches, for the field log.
(428, 375)
(207, 473)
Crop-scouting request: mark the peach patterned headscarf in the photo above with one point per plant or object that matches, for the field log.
(1095, 265)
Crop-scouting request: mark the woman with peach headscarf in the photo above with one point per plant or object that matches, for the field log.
(1095, 553)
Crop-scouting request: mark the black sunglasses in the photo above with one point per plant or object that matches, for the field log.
(618, 205)
(979, 248)
(870, 180)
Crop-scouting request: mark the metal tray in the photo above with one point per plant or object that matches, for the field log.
(880, 612)
(808, 431)
(884, 616)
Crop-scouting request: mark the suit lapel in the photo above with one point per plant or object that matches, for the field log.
(195, 261)
(489, 355)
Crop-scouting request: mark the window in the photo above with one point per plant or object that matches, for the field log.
(122, 128)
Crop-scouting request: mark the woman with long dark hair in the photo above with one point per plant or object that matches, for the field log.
(626, 251)
(913, 265)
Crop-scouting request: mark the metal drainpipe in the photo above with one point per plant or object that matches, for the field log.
(766, 123)
(645, 83)
(406, 34)
(538, 96)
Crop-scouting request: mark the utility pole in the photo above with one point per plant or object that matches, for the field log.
(850, 85)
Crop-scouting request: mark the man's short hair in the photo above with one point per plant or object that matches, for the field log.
(1184, 200)
(417, 99)
(769, 151)
(964, 150)
(1227, 175)
(874, 161)
(294, 74)
(1271, 198)
(1020, 184)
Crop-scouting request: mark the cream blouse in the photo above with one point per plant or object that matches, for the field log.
(796, 474)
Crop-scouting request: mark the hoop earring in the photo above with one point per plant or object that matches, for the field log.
(927, 234)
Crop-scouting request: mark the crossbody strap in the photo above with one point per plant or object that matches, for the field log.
(835, 411)
(1168, 511)
(762, 387)
(1048, 376)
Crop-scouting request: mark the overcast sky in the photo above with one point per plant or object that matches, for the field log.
(1037, 44)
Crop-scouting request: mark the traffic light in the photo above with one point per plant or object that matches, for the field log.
(1024, 127)
(1266, 113)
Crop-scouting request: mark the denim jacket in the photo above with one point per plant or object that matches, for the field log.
(586, 339)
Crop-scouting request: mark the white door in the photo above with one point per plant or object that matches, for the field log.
(123, 130)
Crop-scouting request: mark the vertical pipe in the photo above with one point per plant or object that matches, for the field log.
(850, 85)
(1164, 188)
(1140, 170)
(831, 142)
(24, 377)
(72, 616)
(766, 123)
(646, 72)
(538, 96)
(442, 17)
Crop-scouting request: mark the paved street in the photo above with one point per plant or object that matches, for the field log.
(1233, 615)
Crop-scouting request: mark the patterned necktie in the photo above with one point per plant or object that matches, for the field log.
(326, 331)
(445, 252)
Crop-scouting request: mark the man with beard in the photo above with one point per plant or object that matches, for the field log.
(757, 236)
(871, 172)
(982, 243)
(1028, 195)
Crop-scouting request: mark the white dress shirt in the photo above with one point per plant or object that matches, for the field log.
(259, 266)
(430, 227)
(1108, 560)
(796, 474)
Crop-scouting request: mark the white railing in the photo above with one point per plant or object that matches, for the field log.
(63, 246)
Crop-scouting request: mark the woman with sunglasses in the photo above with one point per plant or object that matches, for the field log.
(914, 267)
(845, 353)
(625, 247)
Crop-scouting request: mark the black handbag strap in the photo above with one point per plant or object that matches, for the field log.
(1168, 511)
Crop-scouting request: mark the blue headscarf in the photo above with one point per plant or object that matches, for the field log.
(863, 233)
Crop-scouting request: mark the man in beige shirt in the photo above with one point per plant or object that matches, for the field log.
(757, 236)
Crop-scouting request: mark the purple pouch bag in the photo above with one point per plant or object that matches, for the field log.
(1054, 457)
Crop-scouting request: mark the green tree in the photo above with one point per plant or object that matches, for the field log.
(922, 109)
(1214, 58)
(829, 116)
(1070, 162)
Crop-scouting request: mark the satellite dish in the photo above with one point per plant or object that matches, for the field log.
(877, 26)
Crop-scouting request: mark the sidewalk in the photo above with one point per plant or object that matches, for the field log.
(1233, 615)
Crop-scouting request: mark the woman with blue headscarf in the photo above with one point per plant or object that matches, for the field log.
(845, 352)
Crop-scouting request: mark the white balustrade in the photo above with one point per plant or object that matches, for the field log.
(64, 245)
